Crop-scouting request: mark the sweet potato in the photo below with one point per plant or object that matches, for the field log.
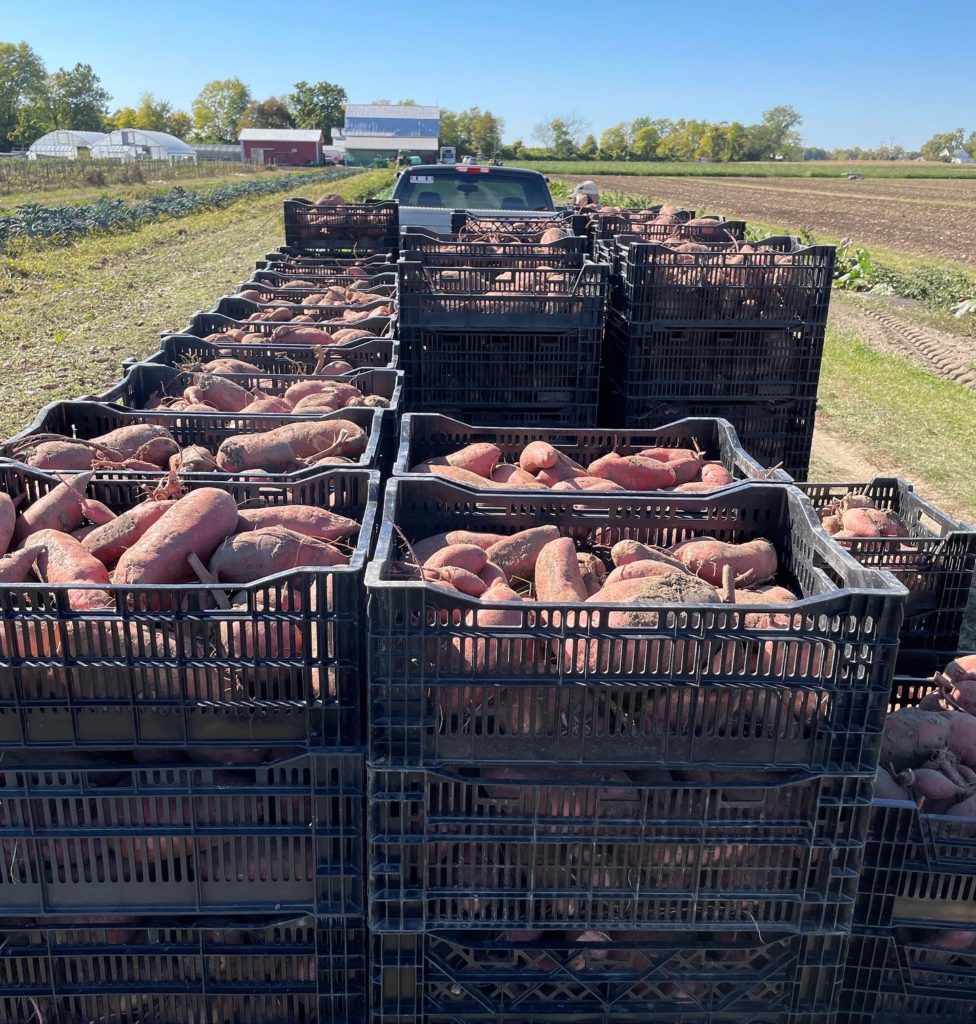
(219, 392)
(464, 556)
(490, 573)
(479, 458)
(245, 557)
(516, 555)
(557, 572)
(625, 551)
(63, 561)
(911, 734)
(641, 569)
(632, 472)
(195, 525)
(193, 459)
(464, 476)
(753, 562)
(96, 511)
(320, 402)
(587, 483)
(60, 509)
(305, 519)
(107, 542)
(671, 587)
(267, 404)
(424, 548)
(885, 787)
(462, 580)
(306, 388)
(16, 567)
(873, 522)
(283, 448)
(145, 441)
(962, 737)
(8, 521)
(225, 364)
(716, 474)
(514, 477)
(54, 456)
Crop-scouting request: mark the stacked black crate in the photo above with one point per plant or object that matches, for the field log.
(183, 769)
(912, 955)
(709, 325)
(506, 332)
(576, 816)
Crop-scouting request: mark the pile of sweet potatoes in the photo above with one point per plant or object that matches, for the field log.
(297, 332)
(214, 391)
(315, 293)
(68, 539)
(857, 516)
(285, 311)
(928, 752)
(541, 466)
(151, 448)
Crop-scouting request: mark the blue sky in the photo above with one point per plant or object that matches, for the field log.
(860, 73)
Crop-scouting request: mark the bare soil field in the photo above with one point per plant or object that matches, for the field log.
(929, 217)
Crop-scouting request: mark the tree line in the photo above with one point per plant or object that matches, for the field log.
(34, 101)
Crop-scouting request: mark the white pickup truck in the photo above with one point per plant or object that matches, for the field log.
(430, 194)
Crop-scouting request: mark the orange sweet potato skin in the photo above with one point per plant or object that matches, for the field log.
(196, 524)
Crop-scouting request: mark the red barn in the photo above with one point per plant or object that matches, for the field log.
(294, 147)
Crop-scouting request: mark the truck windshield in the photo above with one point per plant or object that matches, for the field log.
(458, 191)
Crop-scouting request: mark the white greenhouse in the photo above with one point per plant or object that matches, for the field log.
(64, 143)
(139, 144)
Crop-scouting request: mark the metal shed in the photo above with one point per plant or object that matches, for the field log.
(140, 144)
(64, 143)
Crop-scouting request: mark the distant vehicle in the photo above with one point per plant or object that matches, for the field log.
(448, 155)
(429, 194)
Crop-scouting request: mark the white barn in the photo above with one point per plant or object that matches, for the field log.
(140, 144)
(64, 143)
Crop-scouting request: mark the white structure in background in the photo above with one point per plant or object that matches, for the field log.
(956, 156)
(64, 143)
(139, 144)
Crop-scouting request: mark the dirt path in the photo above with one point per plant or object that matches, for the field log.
(941, 353)
(898, 214)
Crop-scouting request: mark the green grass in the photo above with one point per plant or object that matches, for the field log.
(80, 194)
(902, 417)
(72, 314)
(765, 169)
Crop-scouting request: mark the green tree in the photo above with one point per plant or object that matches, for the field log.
(471, 131)
(124, 117)
(588, 148)
(218, 109)
(615, 142)
(561, 135)
(776, 134)
(270, 113)
(970, 144)
(318, 105)
(682, 140)
(180, 124)
(74, 98)
(644, 141)
(933, 149)
(22, 84)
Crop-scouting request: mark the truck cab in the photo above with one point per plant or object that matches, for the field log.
(429, 194)
(448, 155)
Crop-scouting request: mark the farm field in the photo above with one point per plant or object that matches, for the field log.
(934, 218)
(759, 169)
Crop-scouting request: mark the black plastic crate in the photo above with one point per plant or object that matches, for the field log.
(92, 419)
(888, 981)
(289, 258)
(282, 837)
(426, 436)
(308, 970)
(704, 688)
(146, 384)
(637, 221)
(495, 299)
(936, 563)
(549, 378)
(168, 667)
(919, 869)
(444, 978)
(209, 326)
(422, 246)
(655, 362)
(236, 308)
(277, 279)
(537, 848)
(187, 352)
(517, 225)
(355, 228)
(775, 433)
(784, 287)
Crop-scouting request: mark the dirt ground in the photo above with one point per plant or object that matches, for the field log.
(935, 218)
